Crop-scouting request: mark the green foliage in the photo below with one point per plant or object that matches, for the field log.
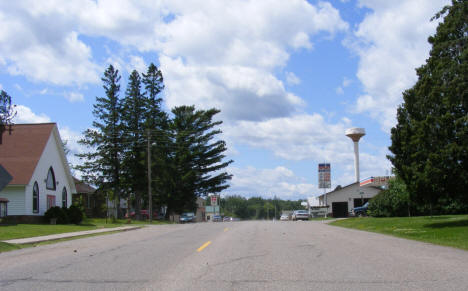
(195, 155)
(430, 140)
(7, 112)
(187, 159)
(101, 165)
(393, 201)
(256, 207)
(75, 215)
(58, 213)
(443, 230)
(134, 157)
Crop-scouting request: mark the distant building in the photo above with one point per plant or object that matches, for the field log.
(343, 199)
(33, 155)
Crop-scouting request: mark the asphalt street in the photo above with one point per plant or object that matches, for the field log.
(250, 255)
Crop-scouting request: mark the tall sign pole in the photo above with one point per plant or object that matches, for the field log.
(324, 176)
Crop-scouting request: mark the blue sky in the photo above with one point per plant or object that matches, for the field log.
(289, 76)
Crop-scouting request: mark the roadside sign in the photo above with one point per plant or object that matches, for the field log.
(214, 200)
(324, 175)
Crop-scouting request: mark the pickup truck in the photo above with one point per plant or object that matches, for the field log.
(361, 210)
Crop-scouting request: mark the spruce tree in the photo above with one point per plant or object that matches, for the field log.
(133, 121)
(156, 127)
(101, 165)
(430, 141)
(197, 159)
(7, 113)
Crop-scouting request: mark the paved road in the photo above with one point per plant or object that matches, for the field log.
(236, 256)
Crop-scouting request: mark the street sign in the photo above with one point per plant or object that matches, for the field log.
(324, 175)
(214, 200)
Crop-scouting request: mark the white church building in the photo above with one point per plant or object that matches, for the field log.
(34, 157)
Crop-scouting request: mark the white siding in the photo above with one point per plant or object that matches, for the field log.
(50, 158)
(348, 194)
(15, 194)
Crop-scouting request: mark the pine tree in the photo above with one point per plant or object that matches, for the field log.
(197, 159)
(101, 165)
(156, 127)
(133, 125)
(7, 113)
(430, 141)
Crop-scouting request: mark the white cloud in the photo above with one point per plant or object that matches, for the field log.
(340, 89)
(72, 137)
(298, 137)
(24, 114)
(292, 79)
(137, 63)
(243, 93)
(279, 181)
(74, 97)
(391, 42)
(40, 41)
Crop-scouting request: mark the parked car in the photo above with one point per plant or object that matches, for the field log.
(284, 217)
(300, 215)
(144, 214)
(187, 217)
(361, 210)
(217, 218)
(226, 218)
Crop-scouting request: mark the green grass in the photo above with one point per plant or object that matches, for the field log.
(320, 218)
(8, 232)
(447, 230)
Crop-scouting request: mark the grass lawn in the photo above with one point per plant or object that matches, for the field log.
(446, 230)
(8, 232)
(320, 218)
(30, 230)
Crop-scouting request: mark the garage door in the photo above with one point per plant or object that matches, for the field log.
(340, 209)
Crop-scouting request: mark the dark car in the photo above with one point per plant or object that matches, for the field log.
(361, 210)
(144, 214)
(187, 217)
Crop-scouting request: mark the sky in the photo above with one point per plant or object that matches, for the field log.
(288, 76)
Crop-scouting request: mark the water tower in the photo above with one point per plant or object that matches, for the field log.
(355, 134)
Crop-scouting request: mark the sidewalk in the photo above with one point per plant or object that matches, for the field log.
(37, 239)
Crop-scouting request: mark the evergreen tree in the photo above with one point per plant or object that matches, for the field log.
(133, 125)
(430, 141)
(156, 125)
(197, 159)
(101, 165)
(7, 113)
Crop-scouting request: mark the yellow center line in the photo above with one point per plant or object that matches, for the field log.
(204, 246)
(226, 229)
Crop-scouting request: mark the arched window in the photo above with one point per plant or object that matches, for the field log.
(50, 182)
(64, 197)
(35, 198)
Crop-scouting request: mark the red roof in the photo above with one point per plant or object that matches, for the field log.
(82, 187)
(20, 151)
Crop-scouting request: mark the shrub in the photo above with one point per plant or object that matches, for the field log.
(393, 201)
(57, 212)
(75, 214)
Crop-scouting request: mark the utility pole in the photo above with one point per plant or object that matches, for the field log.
(150, 198)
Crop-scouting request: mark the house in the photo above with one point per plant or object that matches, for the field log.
(86, 197)
(343, 199)
(33, 155)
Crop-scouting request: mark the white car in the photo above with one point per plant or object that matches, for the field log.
(284, 217)
(300, 215)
